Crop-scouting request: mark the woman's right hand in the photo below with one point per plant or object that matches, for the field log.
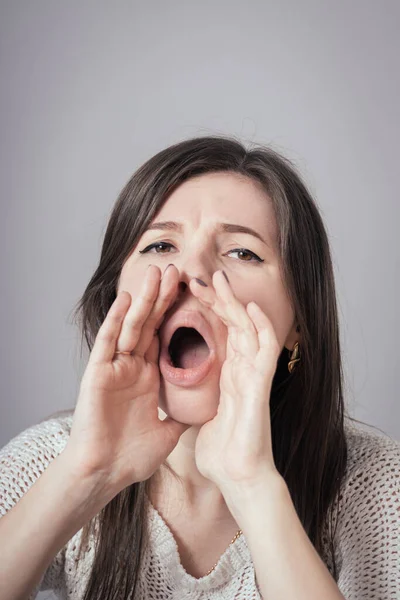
(116, 432)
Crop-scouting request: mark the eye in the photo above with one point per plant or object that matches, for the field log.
(241, 251)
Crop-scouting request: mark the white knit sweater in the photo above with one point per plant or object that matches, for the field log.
(368, 537)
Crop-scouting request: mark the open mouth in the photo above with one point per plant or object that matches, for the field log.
(187, 349)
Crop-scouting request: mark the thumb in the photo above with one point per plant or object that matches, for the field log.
(173, 431)
(153, 350)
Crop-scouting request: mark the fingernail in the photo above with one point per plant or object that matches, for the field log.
(170, 265)
(226, 276)
(201, 282)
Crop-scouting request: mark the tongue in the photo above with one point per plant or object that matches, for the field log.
(192, 352)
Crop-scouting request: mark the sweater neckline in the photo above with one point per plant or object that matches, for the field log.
(231, 563)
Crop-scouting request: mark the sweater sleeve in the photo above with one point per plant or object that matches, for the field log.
(369, 531)
(22, 460)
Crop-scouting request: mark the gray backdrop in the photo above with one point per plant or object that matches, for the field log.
(90, 90)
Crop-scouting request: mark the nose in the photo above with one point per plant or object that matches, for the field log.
(196, 264)
(182, 287)
(185, 277)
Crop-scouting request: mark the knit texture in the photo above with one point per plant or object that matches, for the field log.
(367, 548)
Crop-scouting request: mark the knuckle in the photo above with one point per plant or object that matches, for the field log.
(165, 293)
(112, 319)
(147, 300)
(133, 327)
(105, 335)
(151, 324)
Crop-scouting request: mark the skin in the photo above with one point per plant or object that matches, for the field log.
(199, 204)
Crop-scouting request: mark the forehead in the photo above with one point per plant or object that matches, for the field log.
(227, 197)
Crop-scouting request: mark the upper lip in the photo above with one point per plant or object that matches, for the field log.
(187, 318)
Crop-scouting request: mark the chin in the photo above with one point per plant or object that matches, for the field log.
(189, 406)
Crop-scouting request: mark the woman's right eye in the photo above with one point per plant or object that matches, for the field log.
(155, 245)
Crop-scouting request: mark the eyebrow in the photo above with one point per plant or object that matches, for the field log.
(222, 227)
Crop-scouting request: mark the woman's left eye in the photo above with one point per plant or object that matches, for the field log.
(241, 251)
(248, 252)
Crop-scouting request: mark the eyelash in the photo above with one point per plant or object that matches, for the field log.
(257, 258)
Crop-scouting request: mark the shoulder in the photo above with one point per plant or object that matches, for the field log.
(373, 459)
(24, 458)
(368, 533)
(370, 488)
(22, 461)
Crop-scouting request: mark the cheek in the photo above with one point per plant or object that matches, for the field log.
(277, 308)
(131, 281)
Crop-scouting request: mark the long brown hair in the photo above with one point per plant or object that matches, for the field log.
(307, 407)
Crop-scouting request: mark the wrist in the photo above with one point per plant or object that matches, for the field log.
(242, 497)
(87, 492)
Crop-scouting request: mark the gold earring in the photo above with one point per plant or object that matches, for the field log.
(294, 357)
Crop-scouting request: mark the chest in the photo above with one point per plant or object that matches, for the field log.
(201, 542)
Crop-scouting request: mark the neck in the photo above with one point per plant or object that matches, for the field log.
(196, 491)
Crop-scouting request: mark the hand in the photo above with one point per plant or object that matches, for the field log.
(116, 431)
(235, 447)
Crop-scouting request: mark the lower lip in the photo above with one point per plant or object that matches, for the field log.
(184, 377)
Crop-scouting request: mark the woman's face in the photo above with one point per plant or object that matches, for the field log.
(198, 249)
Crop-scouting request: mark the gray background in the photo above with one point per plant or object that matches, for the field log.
(90, 90)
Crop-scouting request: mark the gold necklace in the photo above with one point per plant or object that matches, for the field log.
(234, 539)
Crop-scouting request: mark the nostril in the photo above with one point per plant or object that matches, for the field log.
(182, 286)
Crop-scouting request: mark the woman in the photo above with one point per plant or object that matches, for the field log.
(209, 454)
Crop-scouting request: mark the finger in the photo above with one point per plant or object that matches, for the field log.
(269, 347)
(222, 303)
(107, 336)
(139, 310)
(209, 297)
(172, 431)
(167, 434)
(153, 351)
(242, 335)
(167, 295)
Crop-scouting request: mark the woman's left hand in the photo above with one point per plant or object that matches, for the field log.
(234, 449)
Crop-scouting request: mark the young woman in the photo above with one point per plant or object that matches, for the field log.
(209, 454)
